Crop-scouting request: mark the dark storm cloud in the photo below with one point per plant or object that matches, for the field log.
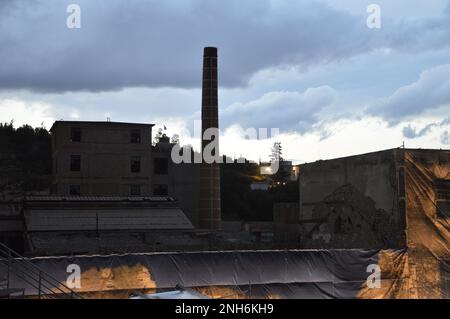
(287, 111)
(430, 91)
(411, 132)
(159, 43)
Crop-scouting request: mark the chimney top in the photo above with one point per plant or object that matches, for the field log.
(210, 52)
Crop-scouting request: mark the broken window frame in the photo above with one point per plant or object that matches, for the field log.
(75, 134)
(75, 163)
(135, 164)
(135, 136)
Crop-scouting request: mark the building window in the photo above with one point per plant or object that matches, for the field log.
(75, 134)
(161, 166)
(75, 190)
(135, 164)
(135, 190)
(160, 190)
(75, 163)
(135, 136)
(338, 225)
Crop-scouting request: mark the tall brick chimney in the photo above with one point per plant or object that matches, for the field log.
(209, 207)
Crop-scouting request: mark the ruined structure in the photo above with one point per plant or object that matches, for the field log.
(396, 198)
(353, 202)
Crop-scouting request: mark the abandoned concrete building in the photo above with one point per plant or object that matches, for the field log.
(362, 201)
(396, 198)
(102, 159)
(114, 191)
(353, 202)
(118, 159)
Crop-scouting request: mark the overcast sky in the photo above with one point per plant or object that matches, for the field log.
(313, 69)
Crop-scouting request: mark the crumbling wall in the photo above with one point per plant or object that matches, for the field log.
(347, 218)
(351, 202)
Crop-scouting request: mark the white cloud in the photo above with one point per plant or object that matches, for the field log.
(349, 137)
(34, 113)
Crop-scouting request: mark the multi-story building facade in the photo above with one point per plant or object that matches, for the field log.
(102, 158)
(118, 159)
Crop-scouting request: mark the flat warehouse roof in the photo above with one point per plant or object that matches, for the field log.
(99, 122)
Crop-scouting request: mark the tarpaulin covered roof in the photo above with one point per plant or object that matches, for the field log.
(264, 274)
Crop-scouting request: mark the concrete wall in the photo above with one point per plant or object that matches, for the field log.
(182, 180)
(105, 150)
(286, 223)
(351, 202)
(89, 242)
(12, 224)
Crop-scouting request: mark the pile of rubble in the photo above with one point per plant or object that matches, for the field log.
(349, 219)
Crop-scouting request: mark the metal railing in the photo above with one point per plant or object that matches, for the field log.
(45, 286)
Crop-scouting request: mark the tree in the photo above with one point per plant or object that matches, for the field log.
(276, 152)
(161, 136)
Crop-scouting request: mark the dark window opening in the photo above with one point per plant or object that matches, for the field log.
(160, 190)
(135, 164)
(75, 163)
(75, 134)
(374, 226)
(135, 190)
(135, 136)
(75, 190)
(161, 166)
(337, 225)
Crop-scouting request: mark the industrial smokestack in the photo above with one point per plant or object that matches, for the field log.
(209, 208)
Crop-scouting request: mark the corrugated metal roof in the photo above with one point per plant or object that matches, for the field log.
(106, 219)
(101, 198)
